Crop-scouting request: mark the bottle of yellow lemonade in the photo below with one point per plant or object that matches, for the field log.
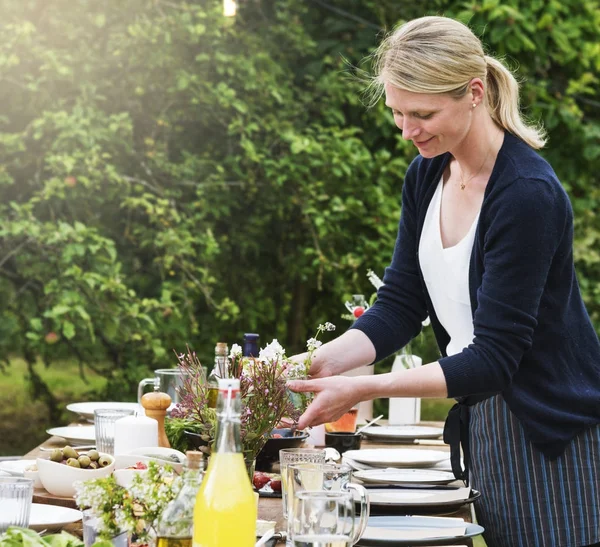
(225, 511)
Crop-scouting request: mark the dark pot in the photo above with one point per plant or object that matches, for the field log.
(270, 452)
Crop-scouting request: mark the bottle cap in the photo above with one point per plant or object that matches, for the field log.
(229, 383)
(221, 347)
(251, 336)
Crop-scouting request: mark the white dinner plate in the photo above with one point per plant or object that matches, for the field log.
(419, 497)
(397, 457)
(402, 432)
(404, 476)
(86, 410)
(75, 434)
(43, 516)
(16, 467)
(387, 531)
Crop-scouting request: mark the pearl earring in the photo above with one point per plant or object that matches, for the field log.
(474, 105)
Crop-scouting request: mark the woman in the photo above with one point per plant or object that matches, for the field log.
(484, 248)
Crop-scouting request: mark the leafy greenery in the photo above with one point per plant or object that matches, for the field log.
(171, 176)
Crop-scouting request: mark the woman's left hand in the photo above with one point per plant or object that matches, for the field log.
(334, 396)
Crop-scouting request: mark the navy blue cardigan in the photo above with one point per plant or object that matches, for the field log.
(534, 341)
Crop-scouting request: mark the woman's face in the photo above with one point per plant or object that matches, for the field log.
(435, 123)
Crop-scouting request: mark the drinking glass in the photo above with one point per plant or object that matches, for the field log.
(288, 456)
(323, 519)
(327, 477)
(104, 426)
(16, 495)
(91, 523)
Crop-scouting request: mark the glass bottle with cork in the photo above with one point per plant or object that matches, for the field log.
(225, 510)
(176, 522)
(219, 371)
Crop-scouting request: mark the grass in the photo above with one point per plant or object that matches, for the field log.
(23, 422)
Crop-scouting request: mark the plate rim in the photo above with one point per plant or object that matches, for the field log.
(475, 530)
(16, 473)
(390, 463)
(449, 476)
(475, 494)
(53, 431)
(371, 431)
(33, 526)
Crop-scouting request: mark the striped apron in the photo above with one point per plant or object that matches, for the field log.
(528, 500)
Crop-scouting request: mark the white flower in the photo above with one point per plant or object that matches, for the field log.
(374, 279)
(312, 344)
(326, 326)
(271, 352)
(236, 351)
(427, 322)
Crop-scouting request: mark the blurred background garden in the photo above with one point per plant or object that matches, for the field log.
(171, 176)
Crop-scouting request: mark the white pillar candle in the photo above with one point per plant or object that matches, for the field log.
(134, 432)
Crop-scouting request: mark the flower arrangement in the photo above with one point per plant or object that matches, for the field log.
(135, 509)
(265, 397)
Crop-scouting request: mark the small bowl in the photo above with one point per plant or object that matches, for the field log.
(124, 477)
(343, 441)
(35, 477)
(58, 478)
(269, 454)
(162, 455)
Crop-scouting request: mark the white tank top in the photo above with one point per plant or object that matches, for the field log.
(446, 273)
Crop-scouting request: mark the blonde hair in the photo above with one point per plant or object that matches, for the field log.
(441, 55)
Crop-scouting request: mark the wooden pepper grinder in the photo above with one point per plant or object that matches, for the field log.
(155, 405)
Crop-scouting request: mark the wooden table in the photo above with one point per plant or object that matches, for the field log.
(268, 508)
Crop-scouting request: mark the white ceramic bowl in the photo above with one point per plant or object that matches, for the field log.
(159, 454)
(58, 478)
(35, 476)
(124, 477)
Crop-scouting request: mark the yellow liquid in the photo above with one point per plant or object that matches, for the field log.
(213, 394)
(174, 542)
(225, 510)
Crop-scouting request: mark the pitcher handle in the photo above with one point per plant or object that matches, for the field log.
(145, 382)
(365, 510)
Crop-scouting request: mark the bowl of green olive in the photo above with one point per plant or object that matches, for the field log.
(66, 466)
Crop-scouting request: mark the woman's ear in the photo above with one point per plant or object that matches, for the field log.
(477, 90)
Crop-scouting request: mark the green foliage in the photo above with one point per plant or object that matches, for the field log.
(171, 176)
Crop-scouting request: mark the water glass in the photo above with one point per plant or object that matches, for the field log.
(91, 524)
(104, 425)
(323, 519)
(288, 456)
(16, 495)
(327, 477)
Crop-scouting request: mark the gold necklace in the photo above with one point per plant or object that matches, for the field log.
(463, 183)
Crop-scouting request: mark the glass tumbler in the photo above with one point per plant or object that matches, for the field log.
(104, 426)
(295, 455)
(16, 495)
(323, 518)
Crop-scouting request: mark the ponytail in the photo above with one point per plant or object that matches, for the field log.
(502, 97)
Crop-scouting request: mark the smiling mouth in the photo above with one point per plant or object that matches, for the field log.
(423, 142)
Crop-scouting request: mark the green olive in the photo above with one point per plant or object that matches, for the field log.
(56, 455)
(84, 461)
(93, 465)
(69, 452)
(104, 461)
(93, 455)
(72, 462)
